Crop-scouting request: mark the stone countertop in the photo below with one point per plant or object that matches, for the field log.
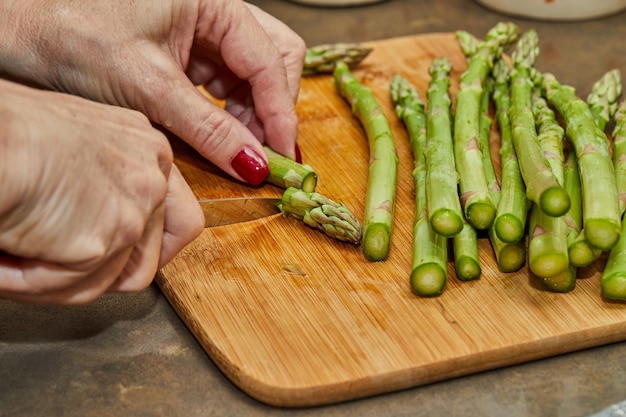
(130, 355)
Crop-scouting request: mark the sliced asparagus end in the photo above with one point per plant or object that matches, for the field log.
(549, 264)
(446, 222)
(376, 242)
(428, 280)
(554, 201)
(467, 268)
(509, 228)
(309, 182)
(563, 282)
(602, 233)
(614, 287)
(581, 254)
(480, 215)
(512, 257)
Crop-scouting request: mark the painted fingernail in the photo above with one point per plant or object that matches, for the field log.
(250, 166)
(298, 154)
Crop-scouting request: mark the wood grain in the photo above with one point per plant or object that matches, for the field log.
(296, 319)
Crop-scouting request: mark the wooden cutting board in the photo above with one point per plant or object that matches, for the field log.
(296, 319)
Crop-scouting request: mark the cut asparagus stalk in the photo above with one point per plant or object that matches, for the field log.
(547, 245)
(563, 282)
(512, 208)
(321, 213)
(510, 256)
(619, 152)
(430, 254)
(613, 282)
(383, 168)
(285, 172)
(548, 241)
(580, 252)
(321, 59)
(601, 207)
(466, 258)
(477, 205)
(444, 206)
(541, 184)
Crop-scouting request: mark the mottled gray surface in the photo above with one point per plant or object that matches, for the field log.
(132, 356)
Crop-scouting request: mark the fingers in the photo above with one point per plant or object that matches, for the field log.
(249, 56)
(86, 288)
(291, 47)
(184, 219)
(265, 70)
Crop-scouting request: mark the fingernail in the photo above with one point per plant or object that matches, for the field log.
(250, 166)
(298, 154)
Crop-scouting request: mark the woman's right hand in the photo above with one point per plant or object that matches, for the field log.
(91, 201)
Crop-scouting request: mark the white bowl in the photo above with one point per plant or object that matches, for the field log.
(556, 9)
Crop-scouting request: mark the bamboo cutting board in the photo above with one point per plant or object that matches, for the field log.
(296, 319)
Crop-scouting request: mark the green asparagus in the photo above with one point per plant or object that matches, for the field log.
(604, 95)
(477, 205)
(613, 282)
(580, 252)
(547, 244)
(512, 208)
(541, 185)
(383, 168)
(285, 172)
(322, 213)
(430, 249)
(321, 59)
(548, 240)
(466, 257)
(510, 256)
(619, 152)
(444, 207)
(601, 207)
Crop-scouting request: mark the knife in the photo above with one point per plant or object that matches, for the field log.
(224, 211)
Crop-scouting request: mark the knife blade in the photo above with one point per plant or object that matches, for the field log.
(224, 211)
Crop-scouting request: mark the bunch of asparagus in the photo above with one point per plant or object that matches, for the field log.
(560, 198)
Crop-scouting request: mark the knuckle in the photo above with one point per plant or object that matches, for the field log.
(212, 135)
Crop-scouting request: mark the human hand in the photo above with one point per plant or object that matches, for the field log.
(150, 55)
(91, 201)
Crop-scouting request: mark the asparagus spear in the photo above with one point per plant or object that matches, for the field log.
(512, 209)
(430, 251)
(510, 256)
(477, 205)
(601, 208)
(602, 99)
(468, 42)
(563, 282)
(285, 172)
(580, 252)
(444, 207)
(541, 184)
(383, 168)
(619, 152)
(548, 245)
(322, 59)
(613, 282)
(466, 258)
(322, 213)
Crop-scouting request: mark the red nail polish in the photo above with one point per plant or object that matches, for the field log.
(298, 154)
(250, 166)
